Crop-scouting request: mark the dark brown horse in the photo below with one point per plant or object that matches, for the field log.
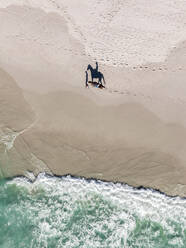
(96, 74)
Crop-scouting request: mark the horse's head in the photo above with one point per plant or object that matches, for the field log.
(89, 67)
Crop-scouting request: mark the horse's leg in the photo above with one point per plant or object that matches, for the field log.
(103, 80)
(99, 82)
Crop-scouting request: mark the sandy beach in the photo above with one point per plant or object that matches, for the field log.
(134, 130)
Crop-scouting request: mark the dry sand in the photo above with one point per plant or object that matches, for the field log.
(134, 131)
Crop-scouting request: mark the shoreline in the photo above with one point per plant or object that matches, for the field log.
(96, 180)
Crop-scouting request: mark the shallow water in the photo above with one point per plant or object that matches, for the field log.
(68, 212)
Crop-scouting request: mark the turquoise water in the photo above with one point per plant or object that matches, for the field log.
(67, 212)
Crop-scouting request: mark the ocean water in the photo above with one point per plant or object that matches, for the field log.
(57, 212)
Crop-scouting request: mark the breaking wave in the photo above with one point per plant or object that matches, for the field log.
(69, 212)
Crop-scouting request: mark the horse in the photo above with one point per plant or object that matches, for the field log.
(96, 74)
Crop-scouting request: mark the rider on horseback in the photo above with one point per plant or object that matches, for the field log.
(96, 74)
(96, 66)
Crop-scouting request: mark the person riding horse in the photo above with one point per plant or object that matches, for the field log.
(96, 74)
(96, 66)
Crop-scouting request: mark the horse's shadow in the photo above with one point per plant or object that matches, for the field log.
(96, 84)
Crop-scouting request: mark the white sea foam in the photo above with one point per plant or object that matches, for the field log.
(144, 202)
(88, 213)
